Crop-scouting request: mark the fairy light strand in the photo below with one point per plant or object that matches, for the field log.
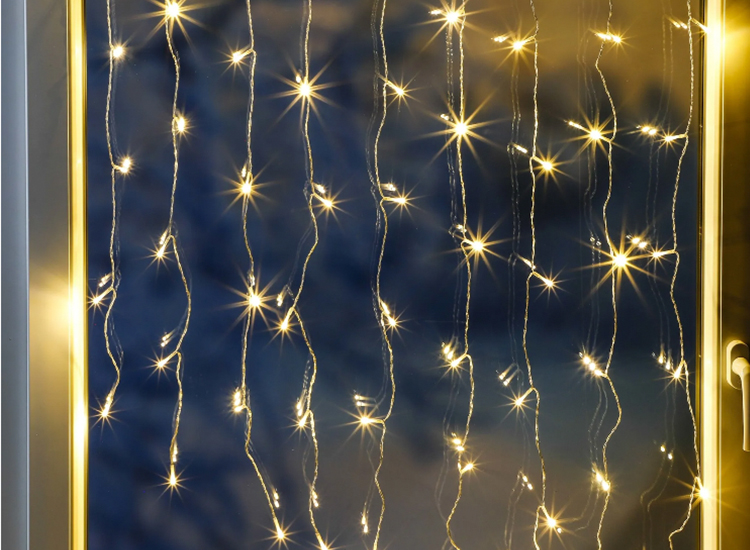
(614, 275)
(111, 280)
(384, 317)
(463, 465)
(241, 399)
(169, 238)
(682, 365)
(305, 414)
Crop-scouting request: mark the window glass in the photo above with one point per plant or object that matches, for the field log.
(421, 249)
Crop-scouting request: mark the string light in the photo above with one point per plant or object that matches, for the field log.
(456, 353)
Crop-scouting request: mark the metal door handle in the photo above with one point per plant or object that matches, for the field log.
(738, 375)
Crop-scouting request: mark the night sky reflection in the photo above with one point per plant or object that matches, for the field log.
(221, 505)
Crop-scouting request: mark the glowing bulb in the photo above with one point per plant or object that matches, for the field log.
(606, 485)
(519, 401)
(595, 135)
(181, 124)
(125, 165)
(642, 245)
(398, 90)
(172, 10)
(254, 301)
(118, 51)
(160, 252)
(467, 467)
(500, 39)
(392, 322)
(280, 534)
(670, 456)
(239, 56)
(452, 17)
(620, 260)
(547, 165)
(663, 449)
(304, 88)
(518, 45)
(522, 149)
(551, 522)
(284, 326)
(302, 421)
(477, 246)
(703, 493)
(366, 420)
(161, 363)
(246, 188)
(548, 282)
(172, 477)
(586, 360)
(460, 129)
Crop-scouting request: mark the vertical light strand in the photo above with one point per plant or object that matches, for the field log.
(605, 484)
(242, 400)
(306, 417)
(109, 283)
(169, 239)
(682, 367)
(384, 317)
(542, 508)
(460, 129)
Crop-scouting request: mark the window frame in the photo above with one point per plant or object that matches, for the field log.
(44, 285)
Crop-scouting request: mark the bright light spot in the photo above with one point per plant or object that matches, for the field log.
(620, 260)
(652, 132)
(518, 45)
(284, 324)
(254, 301)
(280, 534)
(392, 322)
(161, 363)
(477, 246)
(304, 88)
(500, 39)
(456, 441)
(642, 244)
(522, 149)
(460, 129)
(703, 493)
(551, 522)
(467, 467)
(172, 477)
(586, 360)
(246, 188)
(118, 51)
(595, 135)
(547, 165)
(519, 401)
(172, 10)
(366, 420)
(548, 282)
(398, 90)
(125, 165)
(663, 449)
(670, 456)
(181, 124)
(239, 56)
(160, 252)
(452, 17)
(606, 486)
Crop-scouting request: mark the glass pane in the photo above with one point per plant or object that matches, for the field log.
(455, 263)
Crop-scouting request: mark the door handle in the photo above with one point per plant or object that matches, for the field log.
(738, 376)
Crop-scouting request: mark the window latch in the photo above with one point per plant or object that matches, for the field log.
(738, 375)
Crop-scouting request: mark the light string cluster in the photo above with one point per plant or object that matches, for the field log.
(618, 262)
